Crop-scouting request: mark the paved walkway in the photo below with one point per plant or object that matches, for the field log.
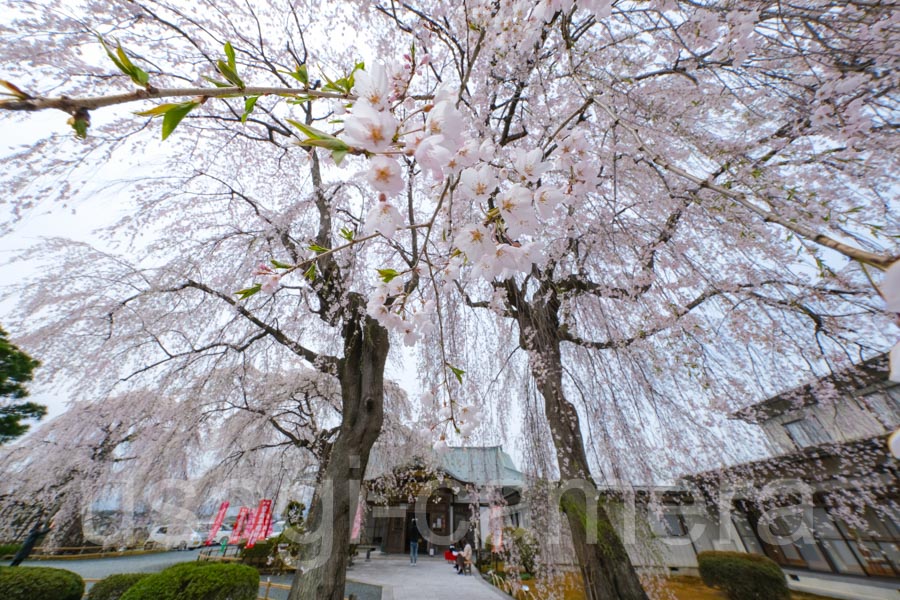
(431, 579)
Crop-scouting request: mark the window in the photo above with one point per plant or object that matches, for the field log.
(674, 525)
(667, 523)
(807, 432)
(885, 405)
(745, 532)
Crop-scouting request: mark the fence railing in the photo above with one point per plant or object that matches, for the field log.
(70, 552)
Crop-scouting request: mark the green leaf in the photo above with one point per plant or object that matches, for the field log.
(158, 111)
(310, 273)
(174, 116)
(387, 274)
(315, 137)
(249, 103)
(140, 77)
(80, 126)
(247, 292)
(302, 75)
(112, 56)
(331, 143)
(229, 74)
(124, 64)
(124, 58)
(347, 234)
(344, 85)
(331, 85)
(215, 82)
(229, 52)
(310, 132)
(457, 372)
(280, 265)
(338, 156)
(318, 249)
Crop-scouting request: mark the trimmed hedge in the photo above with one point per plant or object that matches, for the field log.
(743, 576)
(198, 581)
(265, 557)
(40, 583)
(114, 586)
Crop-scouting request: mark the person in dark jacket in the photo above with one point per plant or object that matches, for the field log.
(30, 540)
(414, 537)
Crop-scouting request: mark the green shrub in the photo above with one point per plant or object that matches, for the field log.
(9, 549)
(743, 576)
(262, 550)
(198, 581)
(40, 583)
(525, 547)
(265, 554)
(114, 586)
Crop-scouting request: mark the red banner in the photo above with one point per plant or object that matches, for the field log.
(217, 524)
(260, 522)
(239, 526)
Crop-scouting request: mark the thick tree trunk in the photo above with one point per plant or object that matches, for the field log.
(361, 374)
(605, 565)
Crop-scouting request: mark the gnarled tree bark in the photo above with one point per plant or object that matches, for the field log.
(361, 375)
(606, 568)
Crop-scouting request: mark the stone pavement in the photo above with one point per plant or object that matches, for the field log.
(431, 579)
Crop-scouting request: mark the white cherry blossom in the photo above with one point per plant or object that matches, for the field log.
(529, 164)
(546, 199)
(372, 85)
(384, 175)
(433, 155)
(478, 183)
(383, 218)
(474, 241)
(369, 129)
(445, 120)
(517, 211)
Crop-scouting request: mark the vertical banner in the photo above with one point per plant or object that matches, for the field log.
(217, 524)
(496, 526)
(260, 522)
(240, 525)
(357, 523)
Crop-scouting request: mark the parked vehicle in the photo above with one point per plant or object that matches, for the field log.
(277, 528)
(221, 536)
(179, 537)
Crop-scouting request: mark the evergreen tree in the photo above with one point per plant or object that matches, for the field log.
(16, 369)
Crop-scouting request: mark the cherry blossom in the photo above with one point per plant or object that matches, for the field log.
(383, 218)
(474, 241)
(546, 199)
(445, 120)
(478, 183)
(518, 213)
(370, 129)
(432, 153)
(372, 85)
(384, 175)
(270, 284)
(529, 164)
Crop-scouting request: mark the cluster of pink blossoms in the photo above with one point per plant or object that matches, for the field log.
(465, 417)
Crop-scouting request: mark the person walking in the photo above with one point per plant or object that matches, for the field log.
(30, 540)
(413, 536)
